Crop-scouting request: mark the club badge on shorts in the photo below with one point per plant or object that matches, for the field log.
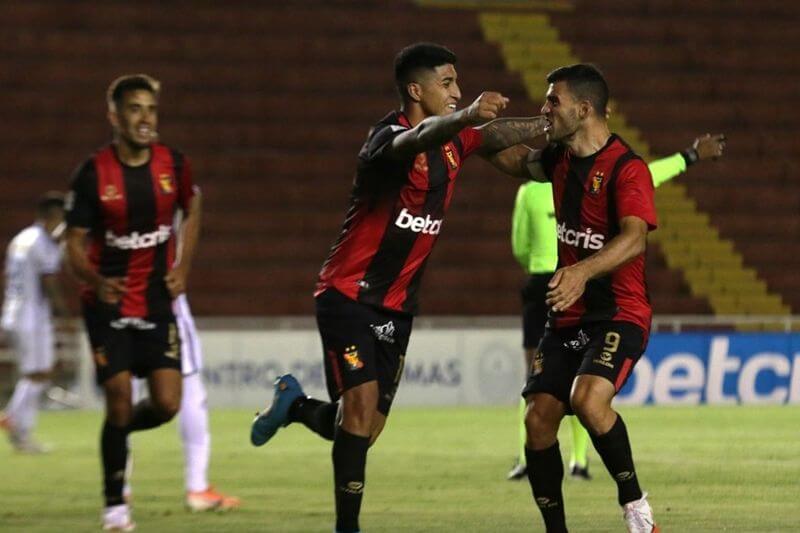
(538, 364)
(100, 356)
(351, 358)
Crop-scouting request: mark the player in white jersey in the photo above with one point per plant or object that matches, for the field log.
(32, 296)
(193, 418)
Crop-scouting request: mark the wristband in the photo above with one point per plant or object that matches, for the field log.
(691, 156)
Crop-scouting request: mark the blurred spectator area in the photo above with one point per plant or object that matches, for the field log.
(272, 100)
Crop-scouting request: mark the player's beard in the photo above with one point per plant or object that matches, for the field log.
(563, 134)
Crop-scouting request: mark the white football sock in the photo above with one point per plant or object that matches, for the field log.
(193, 423)
(138, 391)
(25, 415)
(17, 399)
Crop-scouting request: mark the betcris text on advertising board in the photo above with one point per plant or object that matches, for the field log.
(739, 368)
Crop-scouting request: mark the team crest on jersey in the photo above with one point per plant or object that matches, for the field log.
(450, 156)
(597, 182)
(351, 358)
(165, 182)
(110, 193)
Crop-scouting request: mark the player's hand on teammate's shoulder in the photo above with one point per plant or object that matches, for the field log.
(486, 107)
(709, 146)
(566, 286)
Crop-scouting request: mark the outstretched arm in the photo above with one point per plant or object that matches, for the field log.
(519, 161)
(435, 131)
(502, 146)
(706, 147)
(503, 133)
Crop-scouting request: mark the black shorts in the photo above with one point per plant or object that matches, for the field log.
(361, 343)
(119, 344)
(534, 310)
(606, 349)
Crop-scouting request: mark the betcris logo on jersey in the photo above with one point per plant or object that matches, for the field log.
(425, 225)
(137, 241)
(580, 239)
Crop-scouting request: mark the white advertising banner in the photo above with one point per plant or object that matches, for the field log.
(443, 367)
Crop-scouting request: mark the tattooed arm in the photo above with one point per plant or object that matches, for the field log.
(437, 130)
(502, 133)
(502, 146)
(519, 161)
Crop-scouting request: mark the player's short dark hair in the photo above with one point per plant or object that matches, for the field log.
(586, 82)
(48, 201)
(130, 82)
(419, 56)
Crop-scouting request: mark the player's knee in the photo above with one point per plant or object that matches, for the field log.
(592, 412)
(359, 417)
(541, 432)
(118, 402)
(586, 413)
(119, 412)
(378, 423)
(168, 407)
(358, 411)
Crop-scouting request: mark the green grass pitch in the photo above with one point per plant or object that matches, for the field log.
(438, 469)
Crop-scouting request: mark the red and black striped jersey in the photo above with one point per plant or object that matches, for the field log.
(591, 195)
(396, 212)
(129, 212)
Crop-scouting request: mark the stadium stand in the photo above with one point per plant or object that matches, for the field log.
(272, 101)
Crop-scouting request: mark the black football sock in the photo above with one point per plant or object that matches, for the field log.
(545, 474)
(316, 415)
(145, 416)
(114, 453)
(349, 464)
(614, 449)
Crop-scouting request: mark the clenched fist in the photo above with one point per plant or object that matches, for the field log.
(485, 108)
